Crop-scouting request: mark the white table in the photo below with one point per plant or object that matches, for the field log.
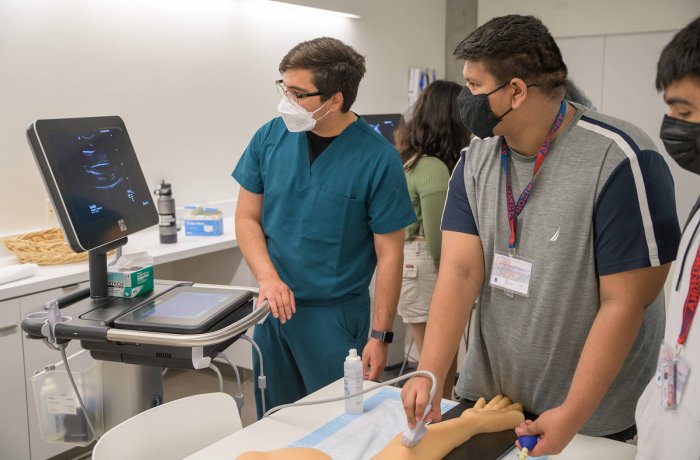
(291, 424)
(53, 276)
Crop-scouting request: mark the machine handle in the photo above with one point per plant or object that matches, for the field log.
(71, 297)
(190, 340)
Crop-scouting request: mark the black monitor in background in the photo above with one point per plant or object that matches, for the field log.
(94, 180)
(96, 186)
(384, 124)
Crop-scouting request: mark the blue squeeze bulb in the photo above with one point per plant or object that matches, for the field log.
(528, 441)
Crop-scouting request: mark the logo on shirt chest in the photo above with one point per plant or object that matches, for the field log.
(555, 237)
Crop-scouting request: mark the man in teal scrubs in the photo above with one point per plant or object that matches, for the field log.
(323, 201)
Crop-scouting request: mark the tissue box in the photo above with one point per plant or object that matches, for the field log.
(200, 221)
(132, 275)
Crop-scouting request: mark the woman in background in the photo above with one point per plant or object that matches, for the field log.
(429, 144)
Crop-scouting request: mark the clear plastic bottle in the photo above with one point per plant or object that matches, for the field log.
(51, 423)
(352, 382)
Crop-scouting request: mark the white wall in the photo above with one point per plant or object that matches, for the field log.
(571, 18)
(193, 79)
(611, 50)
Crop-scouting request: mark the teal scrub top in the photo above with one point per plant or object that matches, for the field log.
(319, 219)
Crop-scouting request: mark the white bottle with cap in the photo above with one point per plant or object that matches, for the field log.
(352, 382)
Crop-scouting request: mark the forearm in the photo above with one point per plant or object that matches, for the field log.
(443, 437)
(450, 308)
(387, 290)
(440, 439)
(251, 240)
(609, 341)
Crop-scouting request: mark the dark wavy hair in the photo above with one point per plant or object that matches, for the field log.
(434, 128)
(336, 67)
(517, 46)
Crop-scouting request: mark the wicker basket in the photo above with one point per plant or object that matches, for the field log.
(45, 247)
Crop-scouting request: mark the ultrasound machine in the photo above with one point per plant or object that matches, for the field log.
(100, 195)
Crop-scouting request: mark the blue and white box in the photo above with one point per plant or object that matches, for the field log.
(202, 221)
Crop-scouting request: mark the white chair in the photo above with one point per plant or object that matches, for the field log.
(172, 430)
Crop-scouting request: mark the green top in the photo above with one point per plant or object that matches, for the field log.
(427, 185)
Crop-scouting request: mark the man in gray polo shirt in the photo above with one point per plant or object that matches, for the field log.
(561, 224)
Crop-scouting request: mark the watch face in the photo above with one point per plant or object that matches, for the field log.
(384, 336)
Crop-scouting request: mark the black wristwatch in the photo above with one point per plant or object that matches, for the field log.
(384, 336)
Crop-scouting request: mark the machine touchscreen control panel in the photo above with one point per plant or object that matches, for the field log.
(185, 309)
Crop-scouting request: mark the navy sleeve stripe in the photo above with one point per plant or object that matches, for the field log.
(457, 214)
(460, 166)
(631, 150)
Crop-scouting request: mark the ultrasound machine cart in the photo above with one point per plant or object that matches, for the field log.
(100, 196)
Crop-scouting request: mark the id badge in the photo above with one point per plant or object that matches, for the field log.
(668, 385)
(511, 274)
(671, 375)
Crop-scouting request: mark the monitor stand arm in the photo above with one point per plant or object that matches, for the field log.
(97, 261)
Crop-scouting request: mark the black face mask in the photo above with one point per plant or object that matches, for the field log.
(476, 114)
(682, 141)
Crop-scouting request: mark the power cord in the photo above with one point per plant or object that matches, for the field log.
(218, 374)
(53, 317)
(238, 397)
(62, 349)
(433, 389)
(262, 381)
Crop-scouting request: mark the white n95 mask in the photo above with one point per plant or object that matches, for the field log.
(295, 117)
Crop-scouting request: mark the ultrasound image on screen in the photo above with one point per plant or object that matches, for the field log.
(96, 174)
(384, 124)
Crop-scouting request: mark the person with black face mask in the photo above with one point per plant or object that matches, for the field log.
(562, 223)
(668, 412)
(682, 141)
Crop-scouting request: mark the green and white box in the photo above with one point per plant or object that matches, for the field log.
(131, 276)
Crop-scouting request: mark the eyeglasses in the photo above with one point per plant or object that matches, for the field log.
(291, 94)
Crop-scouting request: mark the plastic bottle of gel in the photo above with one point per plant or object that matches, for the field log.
(352, 382)
(51, 422)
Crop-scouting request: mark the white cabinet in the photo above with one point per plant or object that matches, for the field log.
(14, 437)
(36, 356)
(20, 357)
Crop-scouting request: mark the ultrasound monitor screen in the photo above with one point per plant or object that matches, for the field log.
(94, 179)
(384, 124)
(96, 174)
